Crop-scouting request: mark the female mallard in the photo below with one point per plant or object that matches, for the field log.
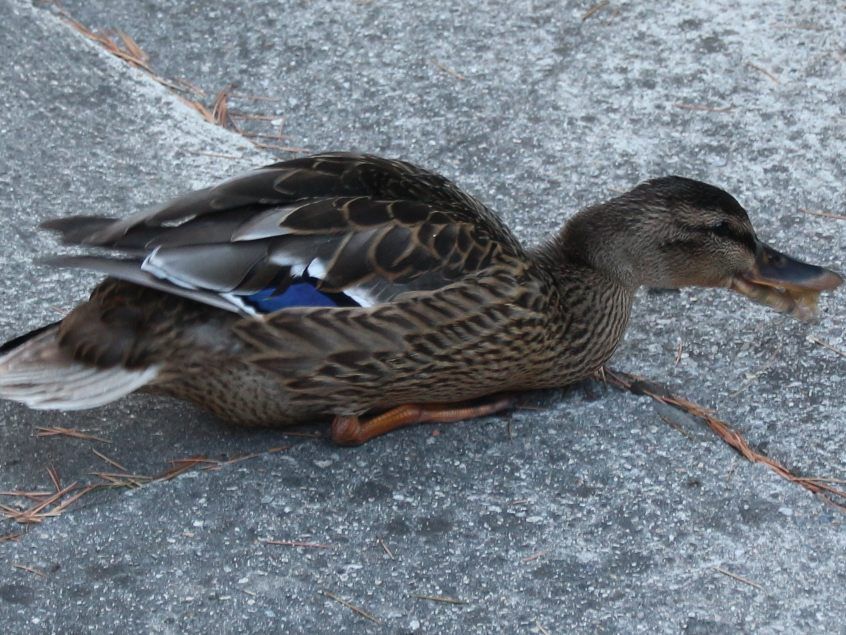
(341, 284)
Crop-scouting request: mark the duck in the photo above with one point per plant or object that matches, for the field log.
(374, 294)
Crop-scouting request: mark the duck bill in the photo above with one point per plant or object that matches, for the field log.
(784, 283)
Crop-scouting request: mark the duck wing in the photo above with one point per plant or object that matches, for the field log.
(330, 229)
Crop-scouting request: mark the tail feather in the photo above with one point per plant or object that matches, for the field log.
(35, 371)
(76, 230)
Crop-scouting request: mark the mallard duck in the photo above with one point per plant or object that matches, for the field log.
(374, 293)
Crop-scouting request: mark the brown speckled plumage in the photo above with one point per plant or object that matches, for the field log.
(453, 307)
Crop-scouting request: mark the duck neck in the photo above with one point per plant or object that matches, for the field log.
(609, 243)
(603, 247)
(593, 307)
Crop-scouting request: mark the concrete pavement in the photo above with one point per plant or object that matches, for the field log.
(586, 515)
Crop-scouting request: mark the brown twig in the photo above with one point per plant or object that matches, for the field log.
(181, 466)
(39, 512)
(122, 479)
(60, 509)
(534, 556)
(273, 146)
(540, 628)
(444, 599)
(764, 71)
(110, 461)
(10, 538)
(132, 46)
(351, 607)
(639, 385)
(51, 504)
(39, 507)
(805, 210)
(191, 87)
(54, 476)
(205, 113)
(220, 110)
(217, 155)
(23, 567)
(219, 464)
(386, 550)
(56, 431)
(129, 52)
(30, 495)
(449, 71)
(599, 6)
(825, 479)
(739, 578)
(296, 543)
(123, 46)
(36, 513)
(814, 339)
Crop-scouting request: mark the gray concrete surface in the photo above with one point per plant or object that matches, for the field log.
(578, 515)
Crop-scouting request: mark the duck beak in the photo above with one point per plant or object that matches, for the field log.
(784, 283)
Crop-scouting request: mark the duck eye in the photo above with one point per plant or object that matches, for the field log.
(723, 230)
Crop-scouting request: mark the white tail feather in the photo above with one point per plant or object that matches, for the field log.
(39, 374)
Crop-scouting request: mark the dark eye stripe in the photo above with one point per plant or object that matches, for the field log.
(690, 245)
(724, 230)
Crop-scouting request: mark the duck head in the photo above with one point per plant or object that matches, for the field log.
(674, 232)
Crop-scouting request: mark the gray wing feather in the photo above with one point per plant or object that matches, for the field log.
(366, 226)
(130, 271)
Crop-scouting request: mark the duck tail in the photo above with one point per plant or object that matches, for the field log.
(34, 370)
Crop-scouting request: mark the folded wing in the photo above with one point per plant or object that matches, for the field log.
(332, 229)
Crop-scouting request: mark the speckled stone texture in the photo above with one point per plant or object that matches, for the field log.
(577, 515)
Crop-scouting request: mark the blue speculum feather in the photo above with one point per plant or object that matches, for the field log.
(297, 294)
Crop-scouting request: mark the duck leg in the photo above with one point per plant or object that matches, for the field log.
(354, 431)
